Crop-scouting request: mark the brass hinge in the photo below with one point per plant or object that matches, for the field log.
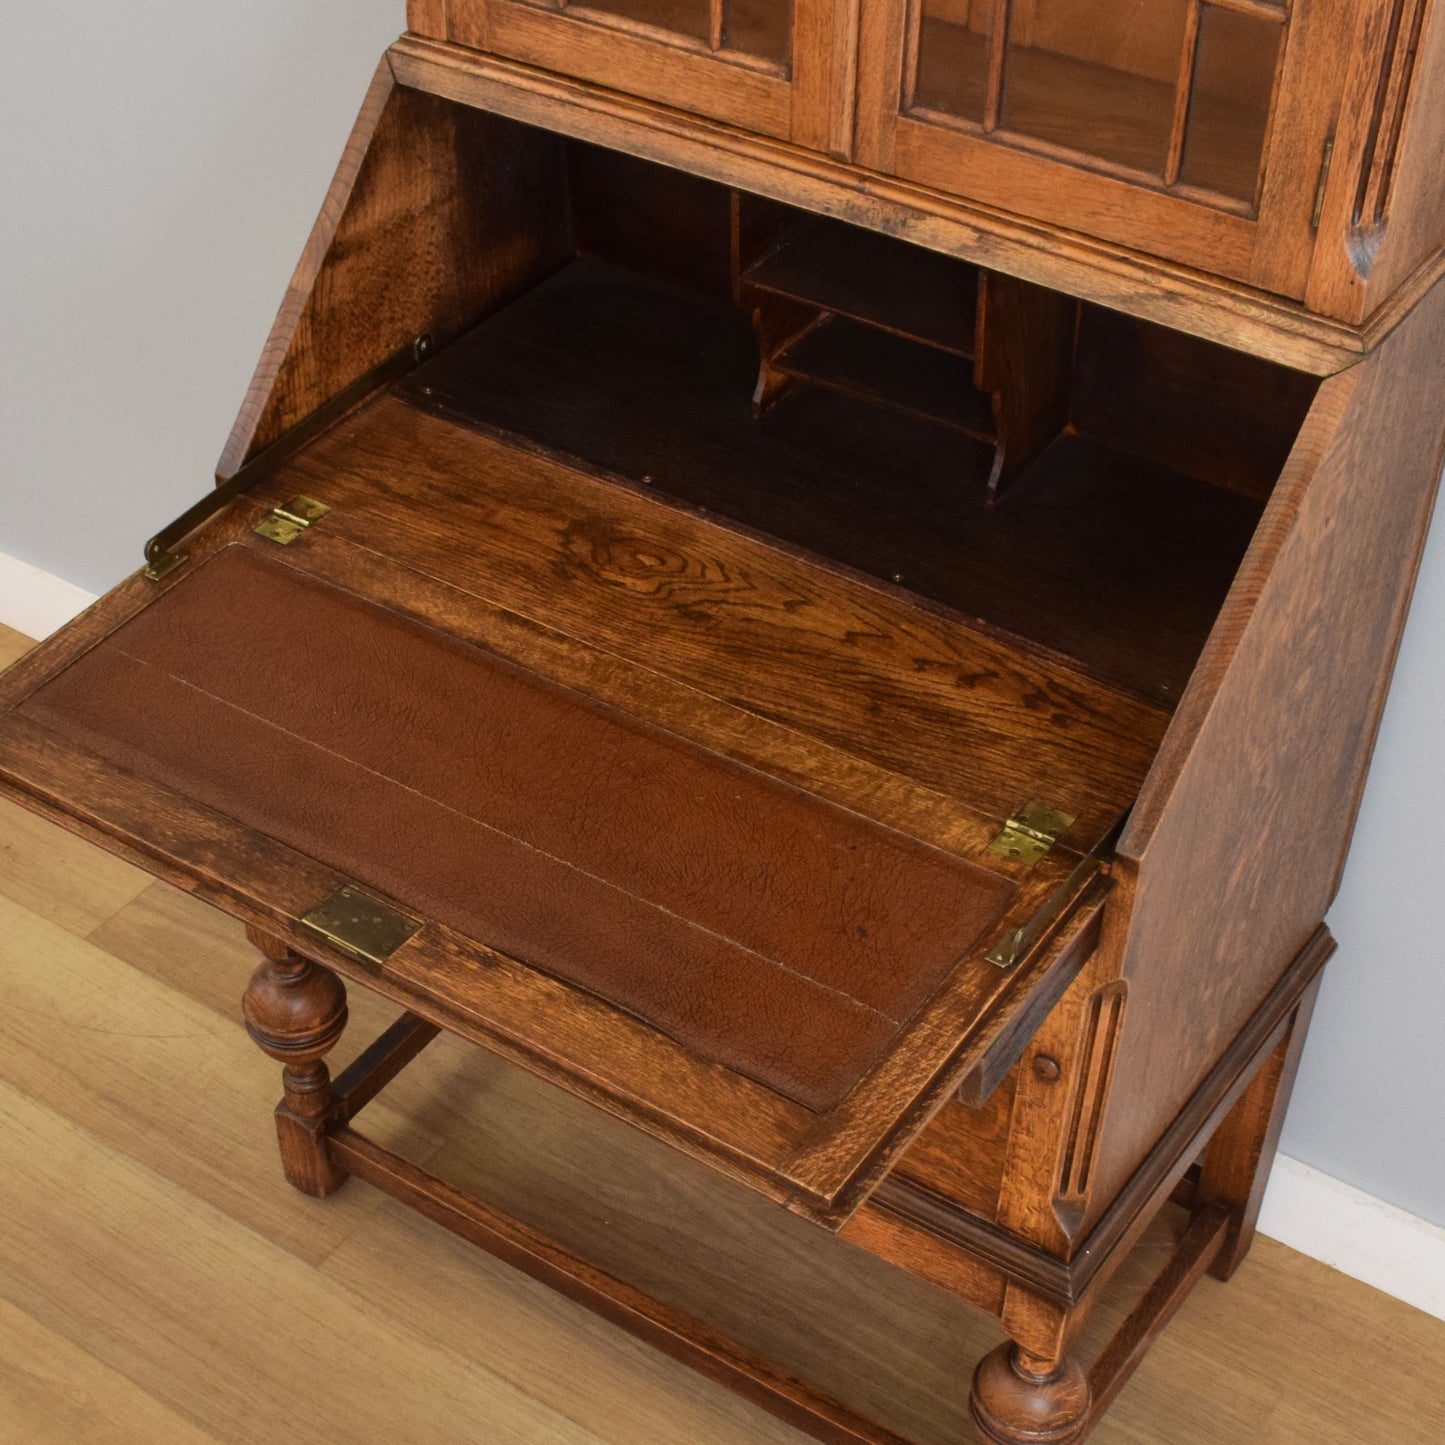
(1031, 833)
(1317, 215)
(286, 524)
(361, 925)
(1016, 942)
(163, 551)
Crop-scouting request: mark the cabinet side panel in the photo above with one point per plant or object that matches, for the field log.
(1383, 214)
(1239, 838)
(437, 215)
(427, 17)
(1410, 172)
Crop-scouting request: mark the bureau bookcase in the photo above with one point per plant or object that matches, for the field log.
(821, 578)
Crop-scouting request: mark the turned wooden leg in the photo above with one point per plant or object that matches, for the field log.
(1030, 1391)
(1235, 1167)
(296, 1011)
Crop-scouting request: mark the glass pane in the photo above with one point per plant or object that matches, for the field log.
(683, 17)
(1229, 105)
(758, 27)
(761, 27)
(953, 49)
(1097, 78)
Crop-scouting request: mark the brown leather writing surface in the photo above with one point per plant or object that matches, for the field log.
(768, 931)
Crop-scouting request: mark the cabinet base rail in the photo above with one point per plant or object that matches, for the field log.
(690, 1341)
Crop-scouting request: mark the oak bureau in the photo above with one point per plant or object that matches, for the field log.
(821, 576)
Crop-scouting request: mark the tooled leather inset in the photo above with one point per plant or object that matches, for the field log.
(778, 935)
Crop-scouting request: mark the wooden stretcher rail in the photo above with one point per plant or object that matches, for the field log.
(688, 1340)
(664, 1328)
(1201, 1246)
(375, 1067)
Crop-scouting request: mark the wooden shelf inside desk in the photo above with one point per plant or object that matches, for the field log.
(889, 370)
(873, 279)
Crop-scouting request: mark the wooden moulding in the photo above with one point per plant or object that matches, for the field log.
(1069, 1282)
(1239, 316)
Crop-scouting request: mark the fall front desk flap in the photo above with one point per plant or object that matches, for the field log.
(774, 982)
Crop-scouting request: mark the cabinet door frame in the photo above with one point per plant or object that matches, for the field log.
(809, 102)
(1270, 246)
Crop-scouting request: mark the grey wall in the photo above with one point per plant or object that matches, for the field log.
(161, 167)
(161, 164)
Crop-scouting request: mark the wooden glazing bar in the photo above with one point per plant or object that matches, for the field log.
(717, 23)
(372, 1070)
(997, 63)
(1263, 9)
(912, 48)
(685, 1339)
(1183, 92)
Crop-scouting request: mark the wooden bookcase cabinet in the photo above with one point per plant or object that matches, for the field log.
(1288, 144)
(576, 676)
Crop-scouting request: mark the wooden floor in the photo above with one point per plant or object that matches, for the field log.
(159, 1282)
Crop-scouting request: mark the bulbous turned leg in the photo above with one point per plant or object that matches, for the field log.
(295, 1010)
(1019, 1401)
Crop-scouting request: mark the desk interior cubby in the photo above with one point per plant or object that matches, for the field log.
(1076, 480)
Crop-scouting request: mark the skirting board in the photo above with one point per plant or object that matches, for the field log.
(36, 603)
(1397, 1253)
(1350, 1231)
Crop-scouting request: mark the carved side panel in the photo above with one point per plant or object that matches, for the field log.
(1387, 126)
(1101, 1041)
(1058, 1116)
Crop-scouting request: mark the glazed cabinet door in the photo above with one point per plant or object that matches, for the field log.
(777, 67)
(1194, 129)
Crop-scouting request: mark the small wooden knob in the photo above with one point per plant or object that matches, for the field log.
(1046, 1069)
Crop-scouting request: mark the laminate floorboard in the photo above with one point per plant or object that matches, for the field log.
(159, 1281)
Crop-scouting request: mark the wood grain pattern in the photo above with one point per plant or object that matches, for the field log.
(1235, 1168)
(13, 646)
(921, 696)
(564, 1032)
(961, 1154)
(1384, 209)
(702, 1349)
(436, 216)
(809, 99)
(1120, 1065)
(37, 870)
(427, 17)
(1335, 558)
(1026, 339)
(53, 1392)
(1231, 419)
(1082, 138)
(1093, 1257)
(844, 93)
(1112, 208)
(1129, 564)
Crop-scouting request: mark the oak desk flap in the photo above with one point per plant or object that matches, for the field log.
(779, 978)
